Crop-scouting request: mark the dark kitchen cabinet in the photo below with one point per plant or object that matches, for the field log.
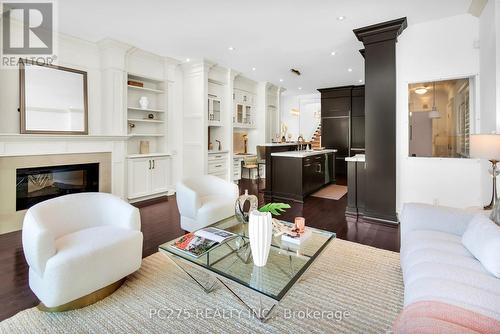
(357, 132)
(268, 150)
(358, 120)
(335, 135)
(296, 178)
(356, 181)
(358, 101)
(335, 107)
(343, 123)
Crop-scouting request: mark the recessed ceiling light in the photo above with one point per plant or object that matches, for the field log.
(349, 70)
(188, 60)
(230, 48)
(421, 90)
(360, 80)
(341, 18)
(333, 53)
(253, 68)
(300, 88)
(281, 80)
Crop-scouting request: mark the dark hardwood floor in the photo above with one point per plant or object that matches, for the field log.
(160, 223)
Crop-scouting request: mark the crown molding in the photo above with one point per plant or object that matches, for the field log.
(381, 32)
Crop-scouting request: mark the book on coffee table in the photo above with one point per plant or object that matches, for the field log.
(198, 243)
(295, 237)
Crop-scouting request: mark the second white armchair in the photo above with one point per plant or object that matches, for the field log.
(204, 200)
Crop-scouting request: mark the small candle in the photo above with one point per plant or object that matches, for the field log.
(300, 224)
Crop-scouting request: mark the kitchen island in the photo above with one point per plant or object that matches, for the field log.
(268, 149)
(297, 174)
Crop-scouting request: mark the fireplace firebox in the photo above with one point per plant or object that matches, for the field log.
(34, 185)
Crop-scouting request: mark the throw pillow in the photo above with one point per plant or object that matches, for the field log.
(482, 239)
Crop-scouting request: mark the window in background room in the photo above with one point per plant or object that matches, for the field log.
(440, 116)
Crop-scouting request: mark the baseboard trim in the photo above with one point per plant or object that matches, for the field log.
(373, 220)
(150, 201)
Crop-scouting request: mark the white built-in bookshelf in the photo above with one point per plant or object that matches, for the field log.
(146, 122)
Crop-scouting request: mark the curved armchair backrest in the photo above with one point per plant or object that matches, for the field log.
(207, 185)
(191, 190)
(70, 213)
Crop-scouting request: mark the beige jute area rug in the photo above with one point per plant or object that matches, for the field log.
(333, 191)
(351, 288)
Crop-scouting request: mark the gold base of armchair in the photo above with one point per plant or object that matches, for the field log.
(85, 300)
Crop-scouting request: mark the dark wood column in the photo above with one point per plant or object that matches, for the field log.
(380, 117)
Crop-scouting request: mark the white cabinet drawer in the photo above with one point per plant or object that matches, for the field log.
(217, 166)
(217, 157)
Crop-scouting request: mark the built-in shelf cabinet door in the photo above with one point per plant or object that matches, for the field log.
(139, 177)
(147, 176)
(159, 174)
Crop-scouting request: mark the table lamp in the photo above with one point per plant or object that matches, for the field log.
(487, 147)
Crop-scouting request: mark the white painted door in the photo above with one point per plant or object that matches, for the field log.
(159, 175)
(139, 177)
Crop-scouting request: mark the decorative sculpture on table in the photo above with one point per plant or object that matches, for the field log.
(239, 206)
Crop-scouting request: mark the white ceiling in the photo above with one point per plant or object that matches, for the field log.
(270, 35)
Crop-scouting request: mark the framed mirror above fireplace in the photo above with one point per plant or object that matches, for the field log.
(53, 99)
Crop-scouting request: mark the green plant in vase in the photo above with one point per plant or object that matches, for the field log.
(276, 209)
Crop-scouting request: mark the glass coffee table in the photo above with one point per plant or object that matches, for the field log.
(231, 262)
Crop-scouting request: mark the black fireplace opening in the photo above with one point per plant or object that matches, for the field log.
(34, 185)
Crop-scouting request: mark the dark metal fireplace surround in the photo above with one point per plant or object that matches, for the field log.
(34, 185)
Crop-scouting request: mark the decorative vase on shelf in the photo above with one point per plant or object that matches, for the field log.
(260, 233)
(144, 102)
(144, 147)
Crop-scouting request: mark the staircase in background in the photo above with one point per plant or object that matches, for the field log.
(316, 137)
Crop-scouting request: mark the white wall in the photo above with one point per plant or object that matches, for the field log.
(430, 51)
(488, 65)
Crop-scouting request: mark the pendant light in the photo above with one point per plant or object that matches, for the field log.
(434, 112)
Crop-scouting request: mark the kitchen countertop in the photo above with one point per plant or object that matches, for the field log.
(280, 144)
(301, 154)
(215, 152)
(242, 156)
(356, 158)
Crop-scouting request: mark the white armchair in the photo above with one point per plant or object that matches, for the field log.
(205, 200)
(79, 243)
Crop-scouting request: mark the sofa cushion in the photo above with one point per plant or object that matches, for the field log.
(436, 266)
(435, 246)
(454, 292)
(482, 239)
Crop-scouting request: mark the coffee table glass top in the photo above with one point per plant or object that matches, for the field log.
(233, 260)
